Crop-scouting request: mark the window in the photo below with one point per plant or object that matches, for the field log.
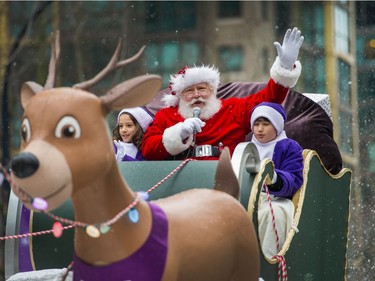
(366, 99)
(231, 58)
(344, 83)
(371, 156)
(190, 52)
(229, 9)
(346, 135)
(168, 57)
(313, 24)
(313, 71)
(341, 29)
(345, 109)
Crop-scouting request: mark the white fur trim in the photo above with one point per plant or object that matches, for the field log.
(172, 140)
(195, 75)
(141, 115)
(271, 114)
(287, 78)
(274, 178)
(170, 100)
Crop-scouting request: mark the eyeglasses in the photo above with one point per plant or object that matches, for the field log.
(201, 90)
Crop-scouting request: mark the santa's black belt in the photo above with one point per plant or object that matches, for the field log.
(206, 150)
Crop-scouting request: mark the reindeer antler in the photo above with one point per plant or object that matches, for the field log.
(112, 65)
(55, 54)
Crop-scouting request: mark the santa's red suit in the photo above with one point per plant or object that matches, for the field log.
(228, 127)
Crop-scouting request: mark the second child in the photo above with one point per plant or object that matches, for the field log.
(132, 123)
(267, 124)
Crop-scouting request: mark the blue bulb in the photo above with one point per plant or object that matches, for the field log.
(133, 215)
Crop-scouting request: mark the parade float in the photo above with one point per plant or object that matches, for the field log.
(316, 246)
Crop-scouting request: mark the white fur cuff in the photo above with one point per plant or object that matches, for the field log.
(287, 78)
(172, 140)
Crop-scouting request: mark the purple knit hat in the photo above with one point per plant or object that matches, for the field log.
(273, 112)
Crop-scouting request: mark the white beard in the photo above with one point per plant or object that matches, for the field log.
(212, 106)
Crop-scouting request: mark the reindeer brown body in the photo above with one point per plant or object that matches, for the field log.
(67, 152)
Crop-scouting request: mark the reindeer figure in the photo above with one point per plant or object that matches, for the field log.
(66, 151)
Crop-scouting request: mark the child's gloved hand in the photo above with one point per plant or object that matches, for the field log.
(120, 150)
(288, 52)
(273, 180)
(189, 125)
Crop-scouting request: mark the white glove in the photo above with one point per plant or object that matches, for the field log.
(120, 150)
(274, 178)
(189, 125)
(288, 52)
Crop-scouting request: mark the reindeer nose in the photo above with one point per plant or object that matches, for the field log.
(24, 165)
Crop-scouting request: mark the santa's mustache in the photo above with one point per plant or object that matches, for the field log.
(197, 100)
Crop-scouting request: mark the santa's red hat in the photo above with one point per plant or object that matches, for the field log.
(188, 76)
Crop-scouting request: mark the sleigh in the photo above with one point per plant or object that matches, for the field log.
(316, 246)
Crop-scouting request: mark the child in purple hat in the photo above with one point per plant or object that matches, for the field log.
(267, 124)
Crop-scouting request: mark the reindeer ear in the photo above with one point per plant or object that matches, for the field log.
(28, 90)
(225, 178)
(134, 92)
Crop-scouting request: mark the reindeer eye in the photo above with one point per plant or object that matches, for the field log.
(68, 127)
(25, 130)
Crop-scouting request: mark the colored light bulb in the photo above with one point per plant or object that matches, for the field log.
(40, 204)
(57, 229)
(144, 195)
(133, 215)
(92, 231)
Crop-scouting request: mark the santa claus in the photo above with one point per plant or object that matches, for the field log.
(196, 124)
